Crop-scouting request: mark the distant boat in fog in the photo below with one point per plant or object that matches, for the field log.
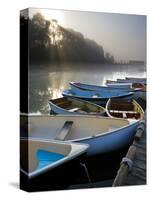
(136, 80)
(124, 88)
(126, 84)
(132, 80)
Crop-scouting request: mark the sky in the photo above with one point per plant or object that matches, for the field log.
(122, 35)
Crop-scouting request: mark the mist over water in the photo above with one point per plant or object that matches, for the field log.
(48, 81)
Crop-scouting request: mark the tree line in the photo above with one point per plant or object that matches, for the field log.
(49, 42)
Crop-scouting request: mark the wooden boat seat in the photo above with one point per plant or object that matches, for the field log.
(64, 130)
(125, 114)
(123, 111)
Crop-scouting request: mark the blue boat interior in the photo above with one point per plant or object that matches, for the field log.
(46, 158)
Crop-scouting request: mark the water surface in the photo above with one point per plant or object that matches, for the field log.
(48, 81)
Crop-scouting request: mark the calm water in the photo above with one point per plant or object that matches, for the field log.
(48, 82)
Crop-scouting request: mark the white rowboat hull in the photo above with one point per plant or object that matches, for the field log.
(103, 134)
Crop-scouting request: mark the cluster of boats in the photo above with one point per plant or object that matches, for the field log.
(87, 119)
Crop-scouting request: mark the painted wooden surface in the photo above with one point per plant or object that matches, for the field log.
(137, 154)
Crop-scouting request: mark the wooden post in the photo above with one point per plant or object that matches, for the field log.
(124, 169)
(139, 132)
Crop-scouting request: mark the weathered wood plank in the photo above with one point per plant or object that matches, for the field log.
(64, 131)
(140, 164)
(141, 173)
(139, 146)
(133, 180)
(137, 176)
(124, 169)
(140, 154)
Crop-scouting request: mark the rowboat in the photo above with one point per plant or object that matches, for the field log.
(132, 80)
(96, 96)
(128, 85)
(45, 163)
(130, 110)
(42, 156)
(70, 105)
(117, 87)
(137, 80)
(102, 134)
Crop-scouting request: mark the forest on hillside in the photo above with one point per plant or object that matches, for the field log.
(51, 43)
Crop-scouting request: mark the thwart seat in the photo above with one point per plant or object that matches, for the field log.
(65, 130)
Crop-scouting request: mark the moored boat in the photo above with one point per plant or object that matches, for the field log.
(70, 105)
(117, 87)
(47, 161)
(102, 134)
(44, 155)
(127, 85)
(136, 80)
(130, 110)
(96, 96)
(132, 80)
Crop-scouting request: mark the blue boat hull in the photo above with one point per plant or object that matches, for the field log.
(97, 97)
(82, 86)
(102, 138)
(58, 110)
(110, 142)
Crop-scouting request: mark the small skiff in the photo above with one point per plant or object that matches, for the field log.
(42, 156)
(132, 80)
(136, 80)
(130, 110)
(96, 96)
(70, 105)
(102, 134)
(115, 87)
(136, 87)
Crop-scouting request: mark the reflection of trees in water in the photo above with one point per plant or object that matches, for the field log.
(46, 84)
(39, 99)
(39, 94)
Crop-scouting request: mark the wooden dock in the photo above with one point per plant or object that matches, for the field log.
(132, 169)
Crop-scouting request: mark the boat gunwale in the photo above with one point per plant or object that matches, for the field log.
(50, 166)
(97, 134)
(125, 94)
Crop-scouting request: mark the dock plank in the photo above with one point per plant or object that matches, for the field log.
(137, 175)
